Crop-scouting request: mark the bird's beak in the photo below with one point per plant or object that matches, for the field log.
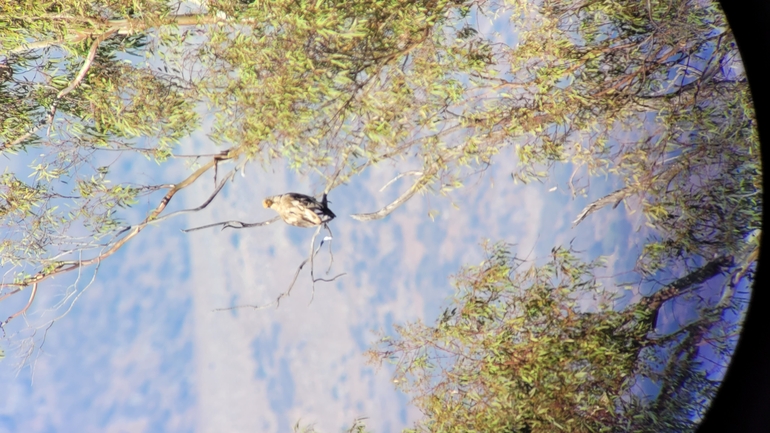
(266, 203)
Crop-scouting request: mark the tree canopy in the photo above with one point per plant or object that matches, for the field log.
(515, 352)
(651, 93)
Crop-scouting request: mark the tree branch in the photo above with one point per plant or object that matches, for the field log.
(74, 84)
(233, 225)
(613, 197)
(382, 213)
(314, 280)
(133, 230)
(122, 27)
(23, 310)
(617, 196)
(686, 284)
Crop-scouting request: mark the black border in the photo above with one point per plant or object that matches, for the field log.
(743, 401)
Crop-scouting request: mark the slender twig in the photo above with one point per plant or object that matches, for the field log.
(134, 230)
(233, 225)
(613, 197)
(667, 175)
(382, 213)
(408, 173)
(313, 253)
(23, 310)
(123, 27)
(208, 201)
(331, 254)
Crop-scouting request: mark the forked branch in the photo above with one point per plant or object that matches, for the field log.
(132, 230)
(421, 182)
(23, 310)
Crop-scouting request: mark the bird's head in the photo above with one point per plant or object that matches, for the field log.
(267, 202)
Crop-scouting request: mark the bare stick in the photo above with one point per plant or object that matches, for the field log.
(382, 213)
(613, 197)
(312, 256)
(202, 206)
(667, 175)
(287, 293)
(23, 310)
(233, 225)
(407, 173)
(153, 216)
(331, 254)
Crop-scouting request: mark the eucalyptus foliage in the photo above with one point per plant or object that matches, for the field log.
(651, 93)
(335, 87)
(515, 352)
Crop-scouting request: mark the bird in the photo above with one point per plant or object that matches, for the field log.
(300, 210)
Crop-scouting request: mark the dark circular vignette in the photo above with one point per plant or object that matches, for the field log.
(742, 403)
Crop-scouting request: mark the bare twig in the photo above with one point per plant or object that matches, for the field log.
(233, 225)
(613, 197)
(314, 280)
(667, 175)
(331, 254)
(23, 310)
(312, 256)
(301, 265)
(382, 213)
(412, 173)
(687, 283)
(357, 423)
(123, 27)
(133, 230)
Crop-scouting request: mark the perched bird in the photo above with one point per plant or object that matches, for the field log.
(300, 210)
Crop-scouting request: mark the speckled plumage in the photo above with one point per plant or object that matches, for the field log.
(299, 210)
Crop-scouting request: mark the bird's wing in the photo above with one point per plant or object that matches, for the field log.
(300, 200)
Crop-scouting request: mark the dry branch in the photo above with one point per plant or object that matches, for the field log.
(23, 310)
(233, 225)
(382, 213)
(685, 284)
(132, 230)
(314, 280)
(666, 175)
(614, 197)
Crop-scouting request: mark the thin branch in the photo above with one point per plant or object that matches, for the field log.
(613, 197)
(208, 201)
(688, 282)
(23, 310)
(123, 27)
(331, 254)
(233, 225)
(312, 256)
(287, 293)
(32, 46)
(301, 265)
(382, 213)
(86, 66)
(667, 175)
(408, 173)
(74, 84)
(133, 230)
